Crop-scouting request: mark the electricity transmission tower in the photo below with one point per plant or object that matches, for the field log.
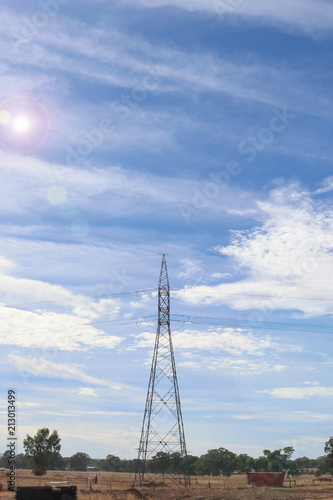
(162, 428)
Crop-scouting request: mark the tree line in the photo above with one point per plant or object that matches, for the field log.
(42, 453)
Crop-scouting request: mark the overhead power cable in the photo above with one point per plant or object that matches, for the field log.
(184, 290)
(256, 327)
(114, 322)
(189, 316)
(62, 262)
(83, 297)
(116, 294)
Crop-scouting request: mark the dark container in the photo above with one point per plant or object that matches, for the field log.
(46, 492)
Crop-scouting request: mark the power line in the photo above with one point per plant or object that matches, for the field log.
(113, 322)
(197, 320)
(249, 321)
(256, 327)
(61, 262)
(184, 290)
(83, 297)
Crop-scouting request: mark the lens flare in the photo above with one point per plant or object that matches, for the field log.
(21, 124)
(4, 117)
(24, 124)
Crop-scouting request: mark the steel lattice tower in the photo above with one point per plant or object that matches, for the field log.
(162, 428)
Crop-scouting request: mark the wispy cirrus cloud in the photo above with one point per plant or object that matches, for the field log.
(78, 413)
(45, 368)
(229, 349)
(326, 186)
(73, 47)
(238, 366)
(300, 392)
(230, 340)
(307, 16)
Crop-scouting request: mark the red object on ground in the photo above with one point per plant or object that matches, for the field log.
(265, 478)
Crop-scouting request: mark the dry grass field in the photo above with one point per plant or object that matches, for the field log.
(119, 486)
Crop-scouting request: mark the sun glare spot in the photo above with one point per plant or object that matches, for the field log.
(4, 117)
(21, 124)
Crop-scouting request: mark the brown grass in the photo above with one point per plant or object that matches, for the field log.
(114, 486)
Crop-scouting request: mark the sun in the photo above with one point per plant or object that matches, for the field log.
(21, 124)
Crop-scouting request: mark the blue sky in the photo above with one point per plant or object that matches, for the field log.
(200, 129)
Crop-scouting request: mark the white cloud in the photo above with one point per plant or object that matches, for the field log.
(219, 276)
(78, 413)
(326, 186)
(20, 404)
(27, 321)
(288, 259)
(229, 349)
(20, 290)
(90, 53)
(44, 329)
(122, 189)
(87, 391)
(7, 265)
(42, 367)
(233, 366)
(191, 269)
(245, 417)
(308, 416)
(234, 341)
(300, 392)
(307, 15)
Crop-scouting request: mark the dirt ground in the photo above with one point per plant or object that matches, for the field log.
(209, 494)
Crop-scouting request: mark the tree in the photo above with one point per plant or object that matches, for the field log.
(42, 449)
(129, 465)
(79, 461)
(217, 462)
(21, 461)
(190, 464)
(57, 463)
(245, 463)
(111, 463)
(278, 461)
(328, 461)
(161, 462)
(176, 463)
(324, 465)
(329, 455)
(304, 463)
(260, 464)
